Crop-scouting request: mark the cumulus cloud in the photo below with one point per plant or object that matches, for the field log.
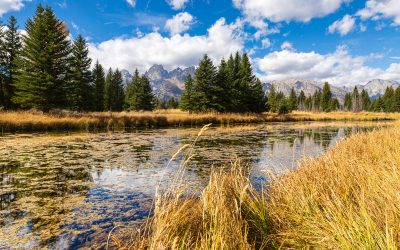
(286, 10)
(131, 2)
(342, 26)
(339, 67)
(286, 46)
(266, 43)
(176, 51)
(177, 4)
(9, 5)
(377, 9)
(179, 23)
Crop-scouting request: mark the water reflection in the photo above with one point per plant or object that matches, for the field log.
(68, 191)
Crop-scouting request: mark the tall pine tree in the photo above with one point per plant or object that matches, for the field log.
(206, 75)
(139, 94)
(186, 102)
(42, 70)
(81, 89)
(13, 45)
(3, 68)
(98, 77)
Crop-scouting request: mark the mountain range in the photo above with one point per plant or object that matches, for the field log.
(165, 84)
(169, 84)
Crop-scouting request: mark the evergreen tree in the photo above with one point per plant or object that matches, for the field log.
(272, 101)
(389, 102)
(139, 95)
(12, 46)
(2, 66)
(203, 97)
(301, 101)
(117, 83)
(252, 94)
(365, 100)
(326, 98)
(42, 70)
(98, 77)
(378, 105)
(292, 101)
(333, 104)
(397, 99)
(316, 100)
(223, 87)
(187, 95)
(283, 106)
(109, 91)
(81, 89)
(356, 100)
(348, 103)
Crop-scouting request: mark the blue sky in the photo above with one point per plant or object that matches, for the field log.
(341, 41)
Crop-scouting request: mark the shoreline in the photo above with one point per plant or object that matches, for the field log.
(17, 122)
(342, 199)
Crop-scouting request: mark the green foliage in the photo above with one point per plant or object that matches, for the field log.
(326, 98)
(292, 101)
(42, 71)
(113, 91)
(139, 94)
(81, 89)
(389, 101)
(272, 103)
(11, 47)
(98, 77)
(232, 87)
(283, 106)
(186, 103)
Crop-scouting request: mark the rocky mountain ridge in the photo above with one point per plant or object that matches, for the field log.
(169, 84)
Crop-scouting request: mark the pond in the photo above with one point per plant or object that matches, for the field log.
(67, 191)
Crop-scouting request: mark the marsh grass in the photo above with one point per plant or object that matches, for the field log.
(346, 199)
(64, 120)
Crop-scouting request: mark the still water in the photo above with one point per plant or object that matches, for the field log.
(67, 191)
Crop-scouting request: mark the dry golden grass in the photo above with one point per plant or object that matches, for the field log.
(346, 199)
(38, 121)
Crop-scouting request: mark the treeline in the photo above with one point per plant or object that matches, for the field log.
(230, 87)
(46, 70)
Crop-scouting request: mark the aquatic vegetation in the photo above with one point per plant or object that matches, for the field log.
(63, 120)
(346, 199)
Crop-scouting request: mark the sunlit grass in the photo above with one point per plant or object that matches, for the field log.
(38, 121)
(346, 199)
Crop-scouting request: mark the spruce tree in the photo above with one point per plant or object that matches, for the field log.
(81, 88)
(109, 91)
(2, 66)
(139, 94)
(272, 101)
(117, 83)
(222, 90)
(389, 103)
(326, 98)
(301, 101)
(397, 99)
(13, 45)
(98, 77)
(365, 100)
(186, 102)
(348, 103)
(378, 105)
(205, 79)
(292, 101)
(42, 70)
(356, 100)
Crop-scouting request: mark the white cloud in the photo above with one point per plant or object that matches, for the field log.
(131, 2)
(286, 46)
(179, 23)
(286, 10)
(343, 26)
(338, 68)
(9, 5)
(377, 9)
(176, 51)
(266, 43)
(177, 4)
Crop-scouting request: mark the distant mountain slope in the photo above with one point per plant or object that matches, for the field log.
(165, 84)
(308, 86)
(377, 87)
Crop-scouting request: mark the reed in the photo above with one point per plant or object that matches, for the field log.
(347, 198)
(69, 121)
